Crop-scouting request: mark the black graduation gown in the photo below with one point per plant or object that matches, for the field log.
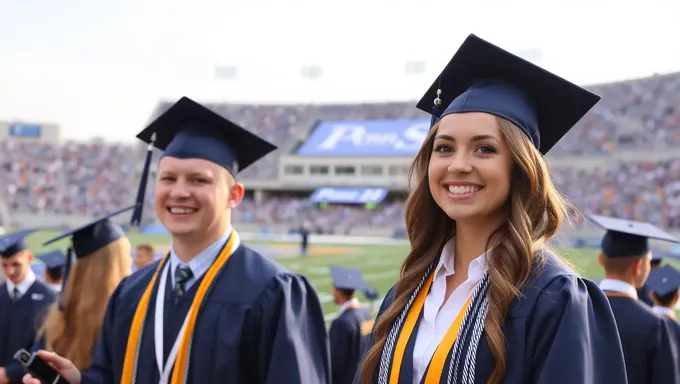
(644, 295)
(259, 324)
(347, 343)
(562, 331)
(648, 345)
(19, 323)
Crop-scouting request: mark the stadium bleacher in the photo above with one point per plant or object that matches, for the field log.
(90, 178)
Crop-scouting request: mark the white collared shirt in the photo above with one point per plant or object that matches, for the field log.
(23, 285)
(200, 264)
(613, 285)
(663, 311)
(54, 287)
(439, 315)
(354, 302)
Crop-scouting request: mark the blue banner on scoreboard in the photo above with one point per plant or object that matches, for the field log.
(349, 195)
(368, 138)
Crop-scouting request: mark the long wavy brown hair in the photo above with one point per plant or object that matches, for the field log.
(535, 210)
(74, 332)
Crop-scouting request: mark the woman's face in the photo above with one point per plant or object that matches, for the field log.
(470, 166)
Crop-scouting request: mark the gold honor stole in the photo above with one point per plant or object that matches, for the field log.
(366, 326)
(179, 371)
(434, 371)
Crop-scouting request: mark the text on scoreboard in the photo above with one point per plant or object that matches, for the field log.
(366, 138)
(345, 195)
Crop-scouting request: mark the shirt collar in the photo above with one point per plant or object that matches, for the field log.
(663, 311)
(353, 302)
(23, 285)
(200, 264)
(614, 285)
(445, 266)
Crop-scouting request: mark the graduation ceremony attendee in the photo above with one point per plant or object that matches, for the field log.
(348, 331)
(23, 303)
(144, 255)
(663, 284)
(55, 265)
(644, 293)
(649, 346)
(212, 310)
(481, 297)
(102, 261)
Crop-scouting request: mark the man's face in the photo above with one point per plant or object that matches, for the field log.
(16, 266)
(143, 258)
(194, 195)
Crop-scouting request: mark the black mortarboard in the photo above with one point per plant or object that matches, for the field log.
(482, 77)
(664, 280)
(53, 260)
(89, 238)
(189, 130)
(94, 235)
(14, 243)
(347, 278)
(625, 238)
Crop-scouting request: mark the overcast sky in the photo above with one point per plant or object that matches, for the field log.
(99, 68)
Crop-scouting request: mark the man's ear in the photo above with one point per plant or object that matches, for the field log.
(236, 193)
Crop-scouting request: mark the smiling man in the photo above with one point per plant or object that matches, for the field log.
(212, 310)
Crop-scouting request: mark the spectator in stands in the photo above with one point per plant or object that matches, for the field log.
(144, 255)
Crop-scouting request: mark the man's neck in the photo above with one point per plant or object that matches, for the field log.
(188, 247)
(625, 279)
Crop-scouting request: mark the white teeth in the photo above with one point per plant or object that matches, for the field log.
(463, 189)
(182, 211)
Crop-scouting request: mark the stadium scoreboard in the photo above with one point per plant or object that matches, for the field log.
(29, 131)
(366, 153)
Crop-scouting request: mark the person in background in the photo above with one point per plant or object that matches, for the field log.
(649, 347)
(212, 310)
(144, 255)
(24, 301)
(348, 331)
(55, 265)
(102, 260)
(664, 283)
(644, 293)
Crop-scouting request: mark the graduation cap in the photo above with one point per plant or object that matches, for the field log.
(53, 260)
(90, 237)
(14, 243)
(189, 130)
(625, 238)
(347, 278)
(482, 77)
(664, 280)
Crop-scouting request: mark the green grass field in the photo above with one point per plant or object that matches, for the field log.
(379, 264)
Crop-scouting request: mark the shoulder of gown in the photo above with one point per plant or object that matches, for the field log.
(571, 333)
(286, 330)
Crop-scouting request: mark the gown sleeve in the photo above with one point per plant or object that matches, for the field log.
(370, 338)
(662, 354)
(292, 342)
(572, 336)
(100, 370)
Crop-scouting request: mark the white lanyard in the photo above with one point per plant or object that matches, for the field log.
(165, 371)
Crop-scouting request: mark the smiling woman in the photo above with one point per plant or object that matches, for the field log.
(480, 219)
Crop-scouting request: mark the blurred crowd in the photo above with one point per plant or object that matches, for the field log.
(90, 178)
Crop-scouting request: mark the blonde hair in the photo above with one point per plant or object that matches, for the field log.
(74, 332)
(535, 211)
